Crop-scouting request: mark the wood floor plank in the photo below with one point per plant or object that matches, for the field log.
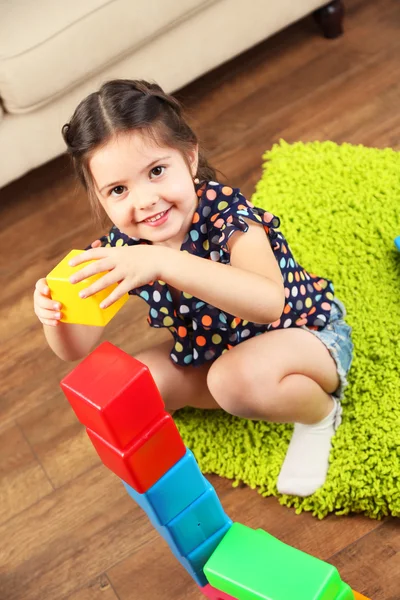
(99, 589)
(153, 573)
(337, 122)
(372, 563)
(22, 479)
(69, 537)
(60, 442)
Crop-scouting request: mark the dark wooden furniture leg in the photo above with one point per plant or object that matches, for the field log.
(330, 18)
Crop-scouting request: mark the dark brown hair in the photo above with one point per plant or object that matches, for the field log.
(123, 105)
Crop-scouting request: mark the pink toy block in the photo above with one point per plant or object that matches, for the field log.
(214, 594)
(113, 394)
(148, 458)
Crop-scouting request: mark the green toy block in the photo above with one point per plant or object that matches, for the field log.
(251, 564)
(345, 592)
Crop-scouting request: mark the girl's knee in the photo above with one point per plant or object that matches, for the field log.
(238, 391)
(230, 385)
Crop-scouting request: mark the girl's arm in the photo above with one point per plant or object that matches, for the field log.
(68, 341)
(72, 342)
(251, 287)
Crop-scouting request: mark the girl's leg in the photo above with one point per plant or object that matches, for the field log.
(285, 375)
(178, 386)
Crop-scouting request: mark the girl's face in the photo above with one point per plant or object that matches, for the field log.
(146, 190)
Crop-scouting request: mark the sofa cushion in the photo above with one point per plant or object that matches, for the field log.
(49, 47)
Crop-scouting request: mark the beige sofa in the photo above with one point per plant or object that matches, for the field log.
(55, 52)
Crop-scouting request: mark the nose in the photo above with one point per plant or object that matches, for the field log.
(142, 201)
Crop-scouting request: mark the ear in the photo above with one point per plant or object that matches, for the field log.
(193, 157)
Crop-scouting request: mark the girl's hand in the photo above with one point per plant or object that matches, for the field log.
(129, 266)
(46, 309)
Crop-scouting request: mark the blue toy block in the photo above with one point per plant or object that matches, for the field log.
(198, 576)
(196, 531)
(173, 492)
(195, 561)
(199, 521)
(200, 555)
(142, 501)
(397, 242)
(194, 525)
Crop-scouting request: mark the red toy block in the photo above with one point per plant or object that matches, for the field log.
(113, 394)
(214, 594)
(148, 458)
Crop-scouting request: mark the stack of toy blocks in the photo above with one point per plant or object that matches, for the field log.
(115, 397)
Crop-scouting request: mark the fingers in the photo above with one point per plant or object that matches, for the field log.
(98, 285)
(99, 266)
(49, 317)
(42, 287)
(77, 260)
(46, 309)
(115, 295)
(93, 254)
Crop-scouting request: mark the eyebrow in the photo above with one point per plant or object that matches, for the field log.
(154, 162)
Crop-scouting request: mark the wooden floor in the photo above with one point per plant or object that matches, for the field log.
(67, 528)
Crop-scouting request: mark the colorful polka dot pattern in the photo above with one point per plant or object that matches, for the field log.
(202, 332)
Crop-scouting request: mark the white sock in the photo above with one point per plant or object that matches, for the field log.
(306, 463)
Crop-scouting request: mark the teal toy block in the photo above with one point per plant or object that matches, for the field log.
(198, 576)
(195, 561)
(200, 520)
(141, 500)
(191, 527)
(200, 555)
(174, 491)
(251, 564)
(200, 539)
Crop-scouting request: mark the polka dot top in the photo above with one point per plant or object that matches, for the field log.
(201, 331)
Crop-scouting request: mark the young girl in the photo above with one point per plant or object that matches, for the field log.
(253, 332)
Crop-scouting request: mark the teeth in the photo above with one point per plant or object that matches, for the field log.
(156, 217)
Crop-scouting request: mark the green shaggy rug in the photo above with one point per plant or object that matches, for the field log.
(340, 211)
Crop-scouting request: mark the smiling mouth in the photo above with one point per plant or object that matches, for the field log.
(155, 217)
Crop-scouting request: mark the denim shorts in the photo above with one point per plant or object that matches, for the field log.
(336, 336)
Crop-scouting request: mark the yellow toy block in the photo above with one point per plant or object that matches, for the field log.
(358, 596)
(83, 311)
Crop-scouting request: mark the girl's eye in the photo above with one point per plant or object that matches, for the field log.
(119, 190)
(156, 172)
